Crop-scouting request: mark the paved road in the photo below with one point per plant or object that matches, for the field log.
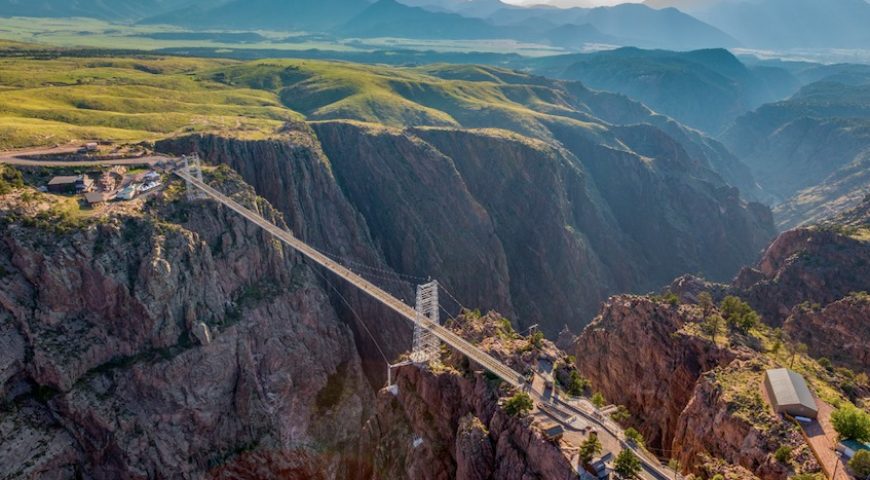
(20, 158)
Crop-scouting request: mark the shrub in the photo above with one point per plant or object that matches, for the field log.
(537, 338)
(705, 301)
(738, 314)
(590, 448)
(712, 325)
(860, 464)
(851, 422)
(718, 476)
(632, 434)
(10, 178)
(576, 384)
(621, 414)
(598, 400)
(626, 465)
(672, 299)
(519, 405)
(783, 454)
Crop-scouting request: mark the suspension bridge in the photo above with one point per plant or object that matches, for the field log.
(424, 318)
(427, 329)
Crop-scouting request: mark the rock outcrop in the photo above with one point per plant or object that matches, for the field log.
(839, 331)
(732, 423)
(102, 372)
(444, 425)
(695, 400)
(636, 354)
(538, 232)
(819, 264)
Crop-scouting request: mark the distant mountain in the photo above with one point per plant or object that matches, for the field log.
(631, 24)
(784, 23)
(389, 18)
(104, 9)
(270, 14)
(812, 151)
(706, 89)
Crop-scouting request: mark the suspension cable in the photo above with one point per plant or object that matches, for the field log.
(355, 314)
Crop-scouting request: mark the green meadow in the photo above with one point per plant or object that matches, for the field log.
(58, 99)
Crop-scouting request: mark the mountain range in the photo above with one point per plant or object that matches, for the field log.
(784, 23)
(669, 24)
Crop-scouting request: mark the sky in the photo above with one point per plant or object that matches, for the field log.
(579, 3)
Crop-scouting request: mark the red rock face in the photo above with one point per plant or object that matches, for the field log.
(638, 354)
(442, 426)
(539, 233)
(632, 352)
(106, 375)
(840, 331)
(709, 427)
(818, 265)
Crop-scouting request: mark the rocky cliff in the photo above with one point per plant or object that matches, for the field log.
(839, 331)
(818, 264)
(167, 340)
(696, 397)
(446, 425)
(536, 231)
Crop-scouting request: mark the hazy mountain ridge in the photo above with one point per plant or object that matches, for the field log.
(784, 23)
(810, 151)
(706, 89)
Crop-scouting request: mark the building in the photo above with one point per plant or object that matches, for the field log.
(96, 198)
(850, 447)
(600, 466)
(63, 184)
(552, 431)
(789, 394)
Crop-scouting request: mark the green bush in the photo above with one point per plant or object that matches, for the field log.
(621, 414)
(738, 314)
(783, 454)
(576, 384)
(627, 465)
(632, 434)
(852, 422)
(590, 448)
(519, 405)
(860, 464)
(10, 178)
(598, 400)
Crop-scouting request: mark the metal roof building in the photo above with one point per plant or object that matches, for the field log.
(788, 393)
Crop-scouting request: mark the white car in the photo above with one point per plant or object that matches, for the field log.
(149, 186)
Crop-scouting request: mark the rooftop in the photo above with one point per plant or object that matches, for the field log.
(790, 388)
(61, 180)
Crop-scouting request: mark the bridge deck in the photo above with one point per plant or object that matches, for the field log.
(472, 352)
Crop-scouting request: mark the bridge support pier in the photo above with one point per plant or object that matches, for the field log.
(427, 347)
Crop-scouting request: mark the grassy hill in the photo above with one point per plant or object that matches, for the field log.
(45, 102)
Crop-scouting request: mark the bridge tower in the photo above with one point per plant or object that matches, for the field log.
(427, 347)
(193, 166)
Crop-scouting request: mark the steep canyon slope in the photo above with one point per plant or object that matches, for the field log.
(550, 211)
(165, 340)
